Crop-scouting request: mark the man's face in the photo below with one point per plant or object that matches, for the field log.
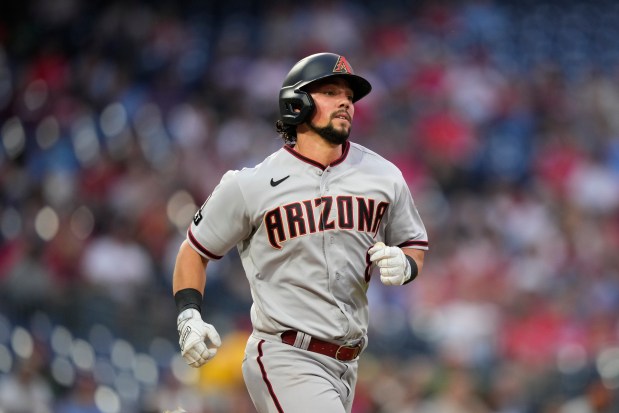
(332, 118)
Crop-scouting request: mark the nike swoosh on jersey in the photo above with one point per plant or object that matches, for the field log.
(279, 181)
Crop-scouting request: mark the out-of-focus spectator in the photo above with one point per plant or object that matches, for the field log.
(594, 187)
(598, 106)
(466, 328)
(29, 284)
(507, 385)
(597, 398)
(475, 88)
(81, 398)
(26, 391)
(173, 394)
(115, 263)
(456, 393)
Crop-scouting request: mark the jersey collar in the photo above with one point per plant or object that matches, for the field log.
(345, 149)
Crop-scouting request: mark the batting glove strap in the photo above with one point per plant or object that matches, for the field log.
(193, 335)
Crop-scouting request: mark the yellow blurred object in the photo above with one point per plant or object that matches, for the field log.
(223, 372)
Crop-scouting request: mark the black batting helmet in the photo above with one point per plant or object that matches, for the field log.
(295, 104)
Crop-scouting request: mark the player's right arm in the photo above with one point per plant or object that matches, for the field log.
(188, 283)
(220, 223)
(189, 270)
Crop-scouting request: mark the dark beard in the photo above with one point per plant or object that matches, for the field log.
(330, 134)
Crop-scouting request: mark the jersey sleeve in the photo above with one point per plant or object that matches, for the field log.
(405, 228)
(222, 221)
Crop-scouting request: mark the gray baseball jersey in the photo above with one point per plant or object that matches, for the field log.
(303, 231)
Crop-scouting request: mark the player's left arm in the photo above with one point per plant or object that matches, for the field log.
(402, 261)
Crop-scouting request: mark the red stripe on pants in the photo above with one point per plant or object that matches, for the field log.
(266, 379)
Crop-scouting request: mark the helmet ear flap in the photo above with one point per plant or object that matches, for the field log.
(295, 105)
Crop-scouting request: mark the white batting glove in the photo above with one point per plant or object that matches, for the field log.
(394, 267)
(194, 332)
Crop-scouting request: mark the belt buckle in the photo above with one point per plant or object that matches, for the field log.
(357, 349)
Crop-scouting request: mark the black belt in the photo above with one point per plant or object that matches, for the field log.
(341, 353)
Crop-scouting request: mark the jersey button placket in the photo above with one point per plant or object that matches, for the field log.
(323, 181)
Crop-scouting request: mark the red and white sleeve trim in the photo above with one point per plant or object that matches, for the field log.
(419, 244)
(201, 249)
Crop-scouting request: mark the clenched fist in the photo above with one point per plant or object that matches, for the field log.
(394, 267)
(194, 332)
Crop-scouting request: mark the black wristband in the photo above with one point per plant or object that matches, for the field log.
(414, 269)
(188, 298)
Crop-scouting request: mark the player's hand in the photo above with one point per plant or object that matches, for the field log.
(394, 267)
(194, 332)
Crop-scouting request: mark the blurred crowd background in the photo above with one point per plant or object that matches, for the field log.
(117, 119)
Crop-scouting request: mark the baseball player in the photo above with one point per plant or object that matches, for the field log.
(310, 222)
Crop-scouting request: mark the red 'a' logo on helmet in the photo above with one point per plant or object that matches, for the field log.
(342, 66)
